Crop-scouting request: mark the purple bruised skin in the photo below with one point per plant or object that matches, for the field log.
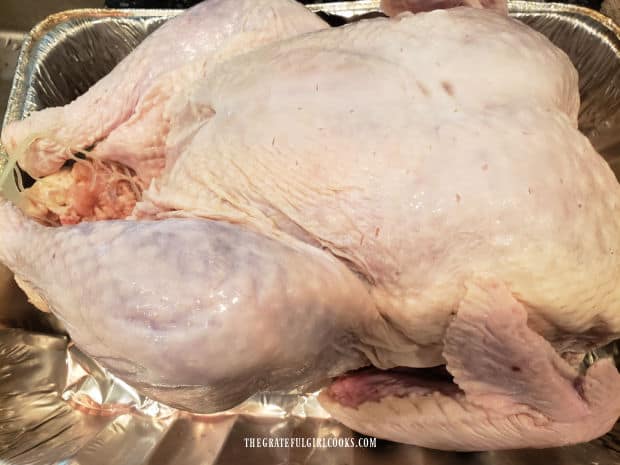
(199, 314)
(404, 205)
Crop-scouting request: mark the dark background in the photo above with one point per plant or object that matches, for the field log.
(595, 4)
(173, 3)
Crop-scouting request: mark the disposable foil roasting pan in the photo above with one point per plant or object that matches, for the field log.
(59, 407)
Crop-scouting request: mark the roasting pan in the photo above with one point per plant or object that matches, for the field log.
(48, 389)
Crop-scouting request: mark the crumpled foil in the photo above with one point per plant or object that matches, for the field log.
(57, 406)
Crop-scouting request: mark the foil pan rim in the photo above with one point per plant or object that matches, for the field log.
(153, 424)
(47, 25)
(345, 8)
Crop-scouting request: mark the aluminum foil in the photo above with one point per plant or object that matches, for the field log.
(57, 406)
(10, 44)
(68, 52)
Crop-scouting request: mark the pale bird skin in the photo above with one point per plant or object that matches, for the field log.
(403, 192)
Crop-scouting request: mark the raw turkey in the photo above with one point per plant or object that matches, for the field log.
(129, 129)
(400, 210)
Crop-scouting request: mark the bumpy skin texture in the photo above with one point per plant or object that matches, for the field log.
(199, 314)
(131, 125)
(423, 151)
(130, 100)
(515, 390)
(441, 171)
